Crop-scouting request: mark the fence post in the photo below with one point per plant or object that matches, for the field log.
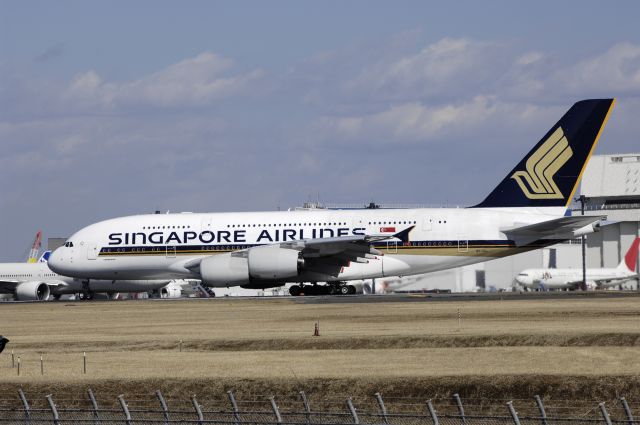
(94, 407)
(196, 406)
(627, 410)
(456, 398)
(125, 409)
(307, 409)
(163, 405)
(352, 409)
(383, 408)
(432, 411)
(54, 411)
(274, 406)
(514, 414)
(605, 414)
(234, 406)
(25, 403)
(543, 413)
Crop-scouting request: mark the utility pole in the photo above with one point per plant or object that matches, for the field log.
(583, 239)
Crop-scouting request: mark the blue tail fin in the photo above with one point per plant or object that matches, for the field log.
(45, 257)
(549, 174)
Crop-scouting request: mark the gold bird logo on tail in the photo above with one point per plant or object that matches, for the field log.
(537, 182)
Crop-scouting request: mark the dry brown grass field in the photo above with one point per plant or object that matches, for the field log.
(500, 348)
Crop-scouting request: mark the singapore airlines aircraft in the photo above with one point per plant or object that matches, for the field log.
(526, 211)
(572, 278)
(36, 282)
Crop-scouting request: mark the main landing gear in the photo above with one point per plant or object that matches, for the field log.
(331, 288)
(87, 293)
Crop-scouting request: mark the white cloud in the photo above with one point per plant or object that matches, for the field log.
(415, 122)
(446, 67)
(529, 58)
(616, 71)
(195, 81)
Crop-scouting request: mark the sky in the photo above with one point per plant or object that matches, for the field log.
(117, 108)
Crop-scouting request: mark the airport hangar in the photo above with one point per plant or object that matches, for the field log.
(611, 187)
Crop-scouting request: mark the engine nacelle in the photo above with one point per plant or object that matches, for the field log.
(224, 270)
(32, 291)
(260, 263)
(590, 228)
(171, 290)
(274, 263)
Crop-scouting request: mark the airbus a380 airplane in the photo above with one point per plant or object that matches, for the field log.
(526, 211)
(572, 278)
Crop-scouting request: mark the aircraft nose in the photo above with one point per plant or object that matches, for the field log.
(57, 263)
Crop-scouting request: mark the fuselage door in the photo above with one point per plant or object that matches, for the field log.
(206, 224)
(92, 252)
(171, 252)
(463, 245)
(426, 224)
(392, 247)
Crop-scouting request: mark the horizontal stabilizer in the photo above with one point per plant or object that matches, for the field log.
(559, 228)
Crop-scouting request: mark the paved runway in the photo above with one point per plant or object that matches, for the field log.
(490, 296)
(372, 299)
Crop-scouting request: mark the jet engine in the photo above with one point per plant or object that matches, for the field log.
(260, 263)
(32, 291)
(172, 290)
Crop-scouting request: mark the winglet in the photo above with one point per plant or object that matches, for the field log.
(404, 234)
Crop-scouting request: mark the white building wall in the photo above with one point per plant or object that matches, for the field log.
(501, 272)
(569, 256)
(462, 279)
(610, 245)
(612, 175)
(594, 250)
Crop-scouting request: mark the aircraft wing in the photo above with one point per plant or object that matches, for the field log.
(559, 228)
(329, 255)
(575, 284)
(614, 280)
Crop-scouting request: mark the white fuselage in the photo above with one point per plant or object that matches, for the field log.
(160, 245)
(60, 285)
(571, 278)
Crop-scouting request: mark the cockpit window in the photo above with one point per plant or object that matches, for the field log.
(523, 274)
(69, 244)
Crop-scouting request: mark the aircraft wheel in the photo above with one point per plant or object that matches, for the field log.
(352, 289)
(344, 290)
(295, 290)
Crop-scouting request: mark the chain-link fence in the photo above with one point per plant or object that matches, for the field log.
(300, 409)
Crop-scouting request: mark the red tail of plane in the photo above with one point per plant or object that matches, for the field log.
(631, 257)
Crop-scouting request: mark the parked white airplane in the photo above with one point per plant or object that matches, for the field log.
(36, 282)
(526, 211)
(572, 278)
